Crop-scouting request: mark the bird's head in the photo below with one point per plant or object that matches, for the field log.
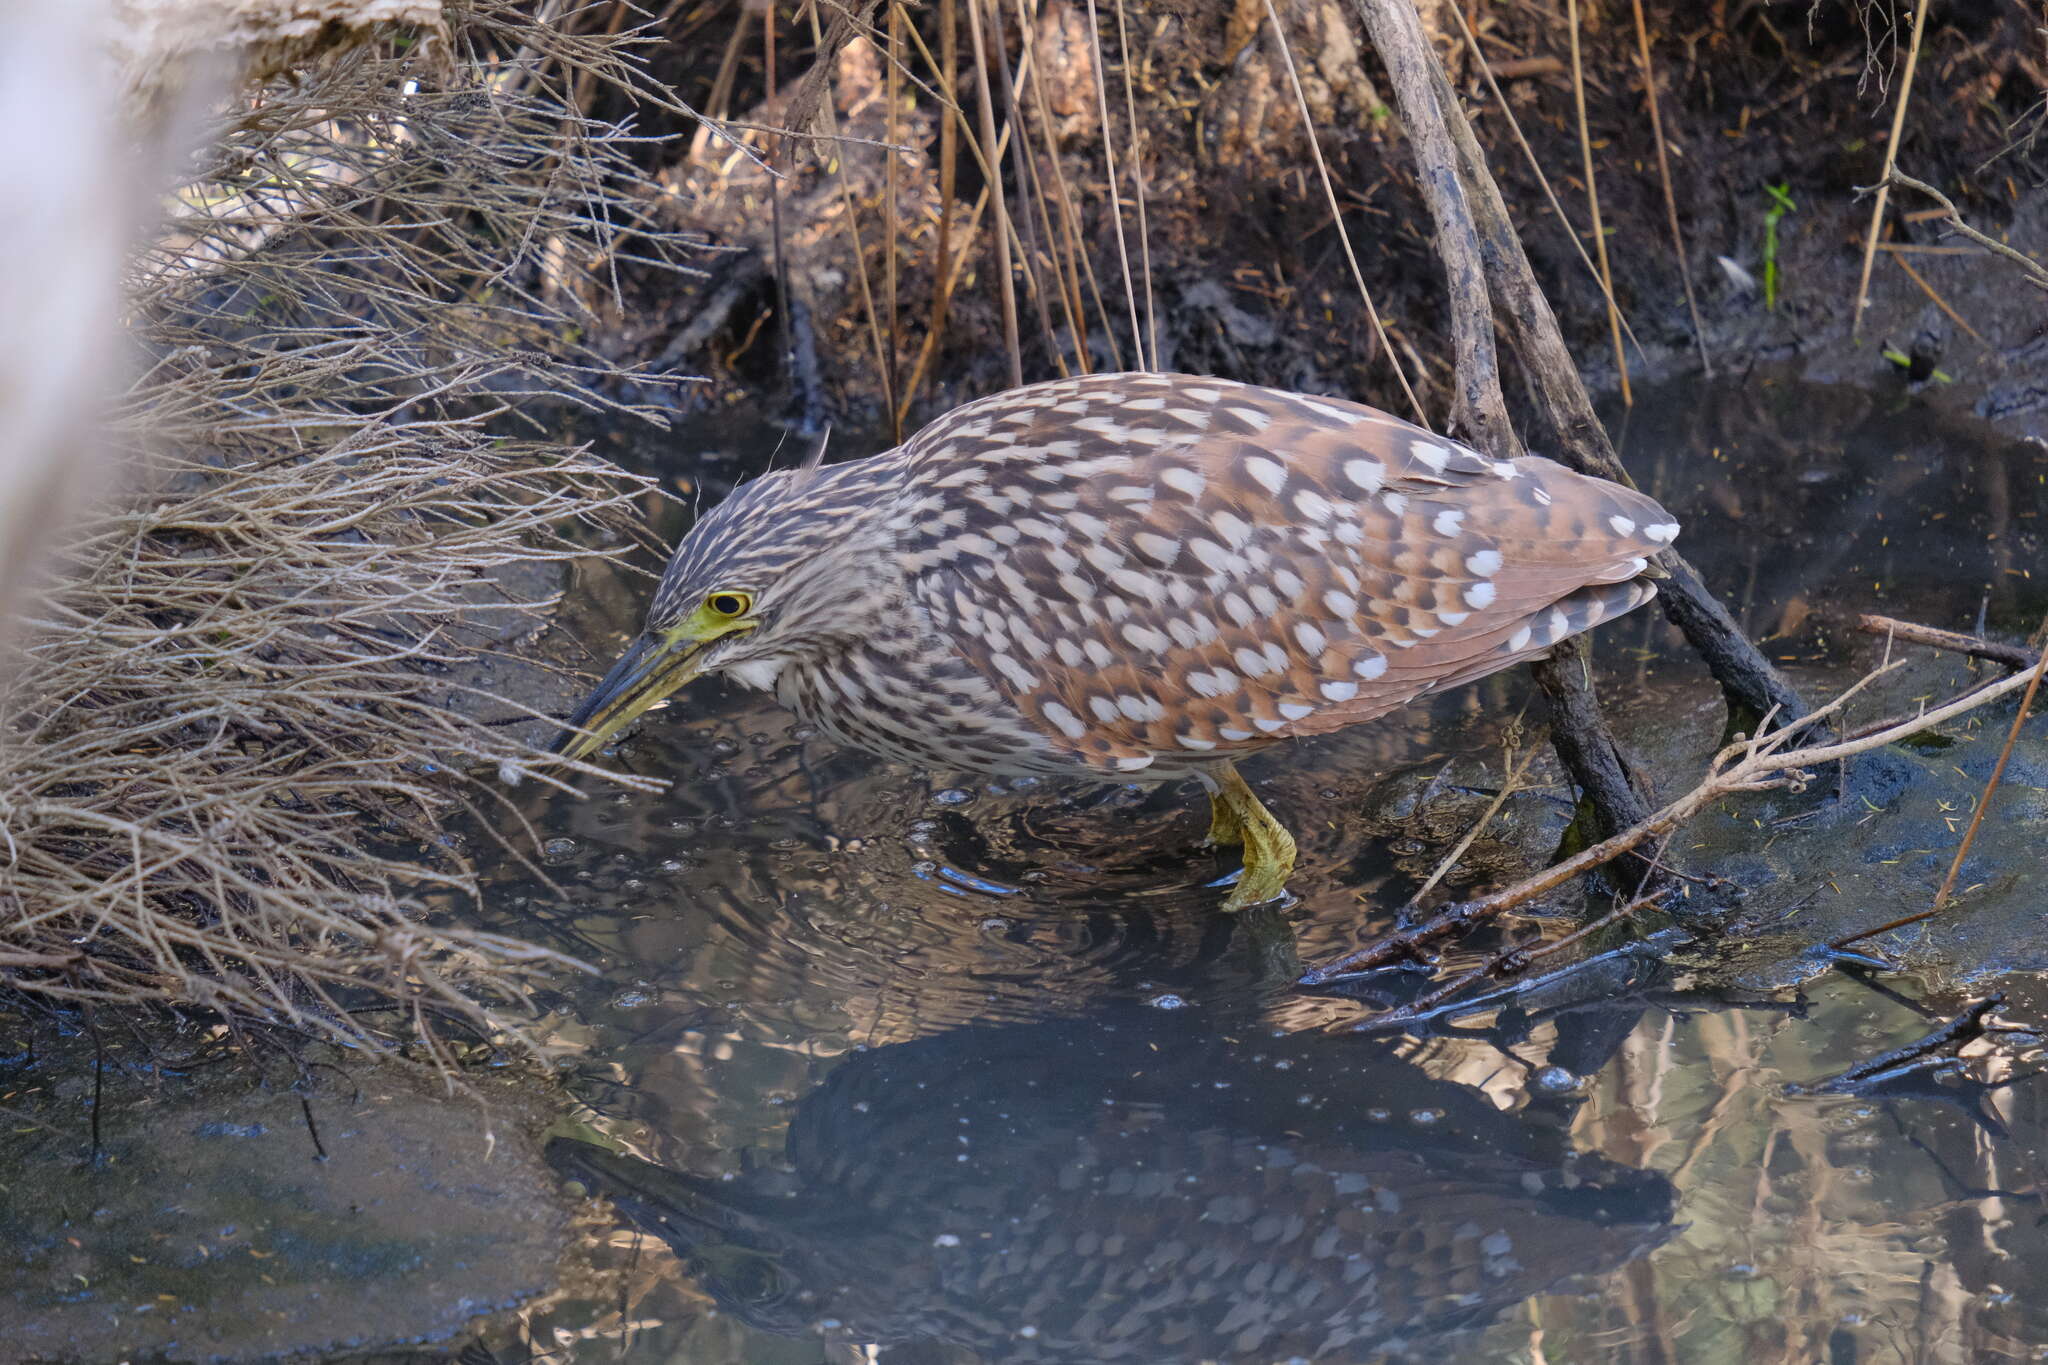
(770, 574)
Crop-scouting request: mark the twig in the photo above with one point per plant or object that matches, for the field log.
(1692, 307)
(2033, 268)
(1511, 784)
(1116, 203)
(992, 165)
(1123, 41)
(1891, 154)
(2032, 678)
(1756, 764)
(1315, 146)
(1939, 302)
(2012, 656)
(1593, 201)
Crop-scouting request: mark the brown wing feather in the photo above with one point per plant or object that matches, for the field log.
(1165, 567)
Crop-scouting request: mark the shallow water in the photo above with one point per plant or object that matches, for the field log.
(927, 1068)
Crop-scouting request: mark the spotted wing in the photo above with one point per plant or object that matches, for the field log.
(1164, 567)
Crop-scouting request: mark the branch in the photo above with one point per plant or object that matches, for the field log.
(1748, 765)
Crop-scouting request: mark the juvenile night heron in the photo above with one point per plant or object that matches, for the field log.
(1134, 578)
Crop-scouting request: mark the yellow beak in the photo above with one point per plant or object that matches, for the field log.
(642, 678)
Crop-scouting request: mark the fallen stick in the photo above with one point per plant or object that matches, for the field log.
(1955, 642)
(1748, 765)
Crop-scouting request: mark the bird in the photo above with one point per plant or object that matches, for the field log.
(1133, 578)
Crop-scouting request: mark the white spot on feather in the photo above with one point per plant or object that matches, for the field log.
(1370, 667)
(1368, 475)
(1479, 595)
(1449, 522)
(1622, 525)
(1340, 691)
(1483, 563)
(1664, 532)
(1271, 474)
(1430, 453)
(1064, 720)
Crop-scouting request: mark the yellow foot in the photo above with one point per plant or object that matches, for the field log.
(1268, 848)
(1224, 829)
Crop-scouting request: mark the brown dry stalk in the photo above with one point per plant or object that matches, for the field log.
(1692, 307)
(2012, 656)
(1315, 146)
(1116, 203)
(1884, 189)
(1123, 41)
(1593, 201)
(992, 166)
(1487, 69)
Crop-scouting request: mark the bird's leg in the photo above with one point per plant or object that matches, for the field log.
(1224, 829)
(1268, 848)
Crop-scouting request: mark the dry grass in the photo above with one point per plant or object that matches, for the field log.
(228, 754)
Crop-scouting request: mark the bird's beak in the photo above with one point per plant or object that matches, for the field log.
(654, 667)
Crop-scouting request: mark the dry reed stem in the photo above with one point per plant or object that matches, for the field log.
(892, 92)
(1116, 203)
(1939, 302)
(241, 722)
(1315, 146)
(1571, 234)
(1123, 42)
(1948, 883)
(1593, 201)
(1891, 156)
(1692, 307)
(992, 167)
(884, 365)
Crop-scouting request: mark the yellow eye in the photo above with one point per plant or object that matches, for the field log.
(728, 604)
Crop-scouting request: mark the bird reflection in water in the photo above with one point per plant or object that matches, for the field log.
(1136, 1187)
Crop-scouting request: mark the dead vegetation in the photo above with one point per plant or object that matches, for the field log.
(229, 753)
(1158, 199)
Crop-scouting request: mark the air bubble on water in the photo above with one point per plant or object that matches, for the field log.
(1167, 1001)
(1555, 1080)
(952, 796)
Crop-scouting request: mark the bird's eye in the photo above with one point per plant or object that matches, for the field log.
(728, 603)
